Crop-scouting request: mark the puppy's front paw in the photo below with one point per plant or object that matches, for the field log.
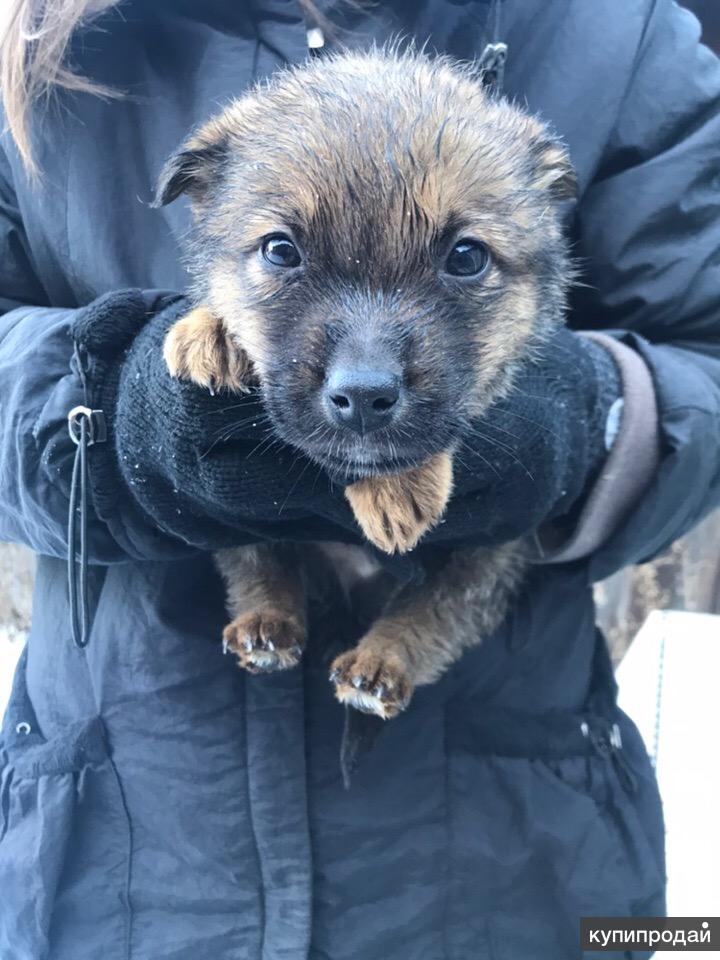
(372, 682)
(265, 640)
(198, 348)
(395, 511)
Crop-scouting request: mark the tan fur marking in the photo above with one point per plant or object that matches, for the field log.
(497, 354)
(228, 300)
(395, 511)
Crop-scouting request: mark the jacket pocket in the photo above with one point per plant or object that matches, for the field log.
(65, 847)
(543, 837)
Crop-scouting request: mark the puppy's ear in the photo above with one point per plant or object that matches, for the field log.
(552, 170)
(192, 170)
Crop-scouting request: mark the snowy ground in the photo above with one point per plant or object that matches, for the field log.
(10, 649)
(669, 686)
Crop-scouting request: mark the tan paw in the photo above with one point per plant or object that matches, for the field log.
(396, 511)
(265, 640)
(198, 348)
(372, 682)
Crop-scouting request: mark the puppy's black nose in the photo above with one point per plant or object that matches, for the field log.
(362, 399)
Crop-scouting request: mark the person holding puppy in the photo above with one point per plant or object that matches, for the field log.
(157, 802)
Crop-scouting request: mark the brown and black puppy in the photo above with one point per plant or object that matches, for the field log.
(376, 243)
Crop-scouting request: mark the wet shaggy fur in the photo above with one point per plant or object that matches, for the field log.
(375, 164)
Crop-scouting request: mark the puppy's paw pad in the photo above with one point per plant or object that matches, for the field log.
(264, 641)
(198, 348)
(372, 682)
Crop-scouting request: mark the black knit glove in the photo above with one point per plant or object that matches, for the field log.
(534, 455)
(207, 470)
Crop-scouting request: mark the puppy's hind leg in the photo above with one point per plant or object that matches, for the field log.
(266, 596)
(425, 629)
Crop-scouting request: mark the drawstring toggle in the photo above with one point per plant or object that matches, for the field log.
(96, 428)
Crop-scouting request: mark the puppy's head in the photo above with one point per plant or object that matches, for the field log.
(384, 241)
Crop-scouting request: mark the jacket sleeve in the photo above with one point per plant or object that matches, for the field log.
(39, 385)
(649, 236)
(37, 390)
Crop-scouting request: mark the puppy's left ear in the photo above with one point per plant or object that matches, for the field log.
(552, 170)
(193, 169)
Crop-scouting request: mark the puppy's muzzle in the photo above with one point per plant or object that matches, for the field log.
(362, 399)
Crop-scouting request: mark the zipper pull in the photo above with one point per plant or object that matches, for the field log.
(315, 41)
(622, 765)
(608, 744)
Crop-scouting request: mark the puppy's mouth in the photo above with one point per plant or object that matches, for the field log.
(347, 459)
(365, 466)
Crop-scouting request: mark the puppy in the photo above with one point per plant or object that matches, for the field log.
(377, 242)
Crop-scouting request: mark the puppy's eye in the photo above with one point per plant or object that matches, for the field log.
(281, 251)
(468, 258)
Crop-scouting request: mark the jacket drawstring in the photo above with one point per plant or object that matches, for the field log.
(85, 427)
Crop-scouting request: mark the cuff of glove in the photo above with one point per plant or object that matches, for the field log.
(631, 464)
(103, 332)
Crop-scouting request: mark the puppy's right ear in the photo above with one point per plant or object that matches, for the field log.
(552, 169)
(192, 170)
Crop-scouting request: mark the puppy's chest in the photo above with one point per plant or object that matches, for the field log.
(350, 565)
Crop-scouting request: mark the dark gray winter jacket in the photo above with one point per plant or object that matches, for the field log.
(156, 802)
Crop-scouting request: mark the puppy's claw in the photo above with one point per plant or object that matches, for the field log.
(265, 640)
(372, 682)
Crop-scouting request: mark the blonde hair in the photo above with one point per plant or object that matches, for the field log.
(34, 38)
